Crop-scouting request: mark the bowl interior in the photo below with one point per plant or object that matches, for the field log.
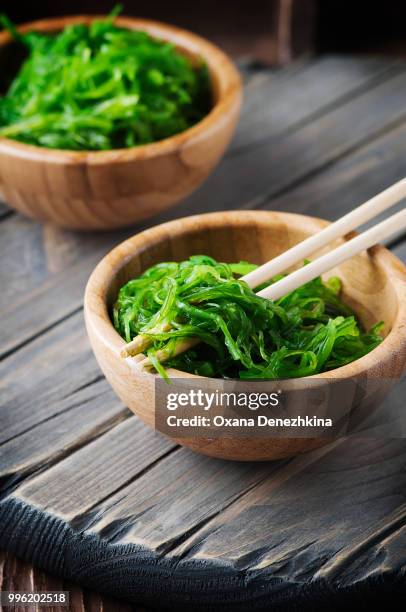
(367, 287)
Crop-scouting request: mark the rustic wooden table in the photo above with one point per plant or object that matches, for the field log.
(91, 495)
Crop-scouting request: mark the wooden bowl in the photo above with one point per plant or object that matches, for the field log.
(374, 284)
(107, 189)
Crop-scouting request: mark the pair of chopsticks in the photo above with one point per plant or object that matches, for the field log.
(370, 209)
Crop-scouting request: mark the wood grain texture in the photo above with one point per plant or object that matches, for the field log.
(107, 189)
(266, 545)
(274, 164)
(334, 80)
(120, 510)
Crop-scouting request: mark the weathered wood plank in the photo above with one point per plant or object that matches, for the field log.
(279, 540)
(23, 266)
(350, 180)
(279, 101)
(159, 513)
(57, 298)
(183, 489)
(100, 468)
(356, 478)
(136, 499)
(78, 419)
(253, 176)
(50, 369)
(33, 254)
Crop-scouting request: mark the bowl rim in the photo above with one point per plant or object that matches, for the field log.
(219, 64)
(96, 310)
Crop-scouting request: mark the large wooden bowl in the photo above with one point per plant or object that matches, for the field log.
(106, 189)
(374, 284)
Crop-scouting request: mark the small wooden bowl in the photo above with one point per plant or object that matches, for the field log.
(107, 189)
(374, 284)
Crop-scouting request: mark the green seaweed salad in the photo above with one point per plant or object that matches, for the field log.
(101, 87)
(242, 335)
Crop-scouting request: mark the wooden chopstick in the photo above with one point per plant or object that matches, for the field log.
(140, 342)
(363, 213)
(298, 253)
(393, 225)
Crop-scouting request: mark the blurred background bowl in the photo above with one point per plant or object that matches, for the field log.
(108, 189)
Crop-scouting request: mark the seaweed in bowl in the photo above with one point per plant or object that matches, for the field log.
(101, 87)
(242, 335)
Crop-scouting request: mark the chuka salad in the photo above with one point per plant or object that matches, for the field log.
(101, 87)
(308, 331)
